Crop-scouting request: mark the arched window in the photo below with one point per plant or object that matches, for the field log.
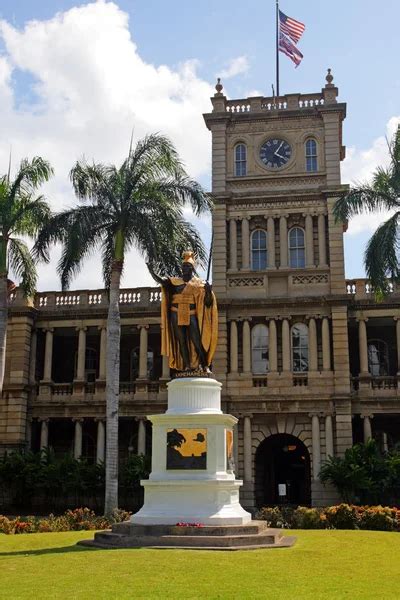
(259, 250)
(378, 358)
(300, 348)
(240, 160)
(259, 349)
(297, 251)
(311, 156)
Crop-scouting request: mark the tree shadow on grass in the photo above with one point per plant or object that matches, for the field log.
(44, 551)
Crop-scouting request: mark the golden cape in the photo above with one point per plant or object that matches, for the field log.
(207, 318)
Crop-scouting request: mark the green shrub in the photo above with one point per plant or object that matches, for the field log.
(308, 518)
(342, 516)
(378, 518)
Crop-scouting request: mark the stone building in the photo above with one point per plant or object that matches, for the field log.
(308, 360)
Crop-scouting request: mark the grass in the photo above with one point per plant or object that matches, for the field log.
(322, 565)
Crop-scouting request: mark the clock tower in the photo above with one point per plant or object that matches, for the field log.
(278, 272)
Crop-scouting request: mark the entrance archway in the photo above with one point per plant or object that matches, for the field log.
(282, 465)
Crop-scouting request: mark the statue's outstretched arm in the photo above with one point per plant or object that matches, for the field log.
(162, 281)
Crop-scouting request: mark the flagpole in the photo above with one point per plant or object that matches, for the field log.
(277, 48)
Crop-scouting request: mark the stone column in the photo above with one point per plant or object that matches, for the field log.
(245, 244)
(313, 345)
(329, 436)
(322, 241)
(141, 449)
(165, 368)
(363, 346)
(397, 319)
(326, 345)
(316, 445)
(78, 438)
(233, 245)
(103, 352)
(367, 427)
(271, 243)
(48, 355)
(32, 361)
(385, 445)
(81, 362)
(273, 346)
(100, 448)
(285, 345)
(143, 351)
(247, 475)
(309, 241)
(283, 241)
(44, 434)
(234, 348)
(246, 347)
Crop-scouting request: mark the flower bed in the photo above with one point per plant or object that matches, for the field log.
(72, 520)
(341, 516)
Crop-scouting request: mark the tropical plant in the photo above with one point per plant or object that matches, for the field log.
(22, 213)
(383, 193)
(138, 205)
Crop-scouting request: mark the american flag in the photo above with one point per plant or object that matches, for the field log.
(290, 27)
(288, 48)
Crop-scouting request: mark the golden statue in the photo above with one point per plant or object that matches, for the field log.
(189, 319)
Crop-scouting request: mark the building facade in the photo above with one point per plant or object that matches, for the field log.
(308, 360)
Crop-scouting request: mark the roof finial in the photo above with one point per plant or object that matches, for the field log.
(329, 77)
(219, 87)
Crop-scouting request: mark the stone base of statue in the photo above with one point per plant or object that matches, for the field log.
(192, 497)
(191, 480)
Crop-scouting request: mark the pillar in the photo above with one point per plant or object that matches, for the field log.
(322, 241)
(103, 352)
(316, 445)
(329, 436)
(363, 346)
(326, 345)
(397, 319)
(285, 345)
(141, 449)
(32, 361)
(44, 434)
(143, 351)
(81, 362)
(283, 241)
(234, 347)
(273, 346)
(247, 475)
(100, 448)
(245, 244)
(367, 427)
(246, 347)
(385, 445)
(271, 242)
(233, 245)
(48, 355)
(312, 342)
(309, 241)
(165, 368)
(78, 438)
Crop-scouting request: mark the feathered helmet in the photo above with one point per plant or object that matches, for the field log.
(188, 257)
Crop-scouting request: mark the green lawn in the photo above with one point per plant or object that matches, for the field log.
(322, 565)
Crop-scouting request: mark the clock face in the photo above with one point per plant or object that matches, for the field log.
(275, 153)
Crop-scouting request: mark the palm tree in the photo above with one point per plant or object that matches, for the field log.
(140, 205)
(383, 193)
(22, 213)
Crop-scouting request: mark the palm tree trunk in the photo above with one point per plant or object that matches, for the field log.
(3, 326)
(112, 391)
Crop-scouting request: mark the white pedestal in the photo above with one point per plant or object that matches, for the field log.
(197, 487)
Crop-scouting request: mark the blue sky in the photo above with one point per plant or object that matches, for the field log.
(357, 39)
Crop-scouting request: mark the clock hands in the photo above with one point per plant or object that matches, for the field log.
(279, 155)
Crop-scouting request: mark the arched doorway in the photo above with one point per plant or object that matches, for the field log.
(282, 465)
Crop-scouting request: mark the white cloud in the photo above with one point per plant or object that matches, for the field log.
(359, 166)
(90, 89)
(236, 66)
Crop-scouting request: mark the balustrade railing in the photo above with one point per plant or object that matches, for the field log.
(270, 103)
(386, 382)
(362, 288)
(92, 299)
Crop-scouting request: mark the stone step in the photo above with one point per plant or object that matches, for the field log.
(133, 530)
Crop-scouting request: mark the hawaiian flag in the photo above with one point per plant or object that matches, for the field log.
(290, 27)
(288, 48)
